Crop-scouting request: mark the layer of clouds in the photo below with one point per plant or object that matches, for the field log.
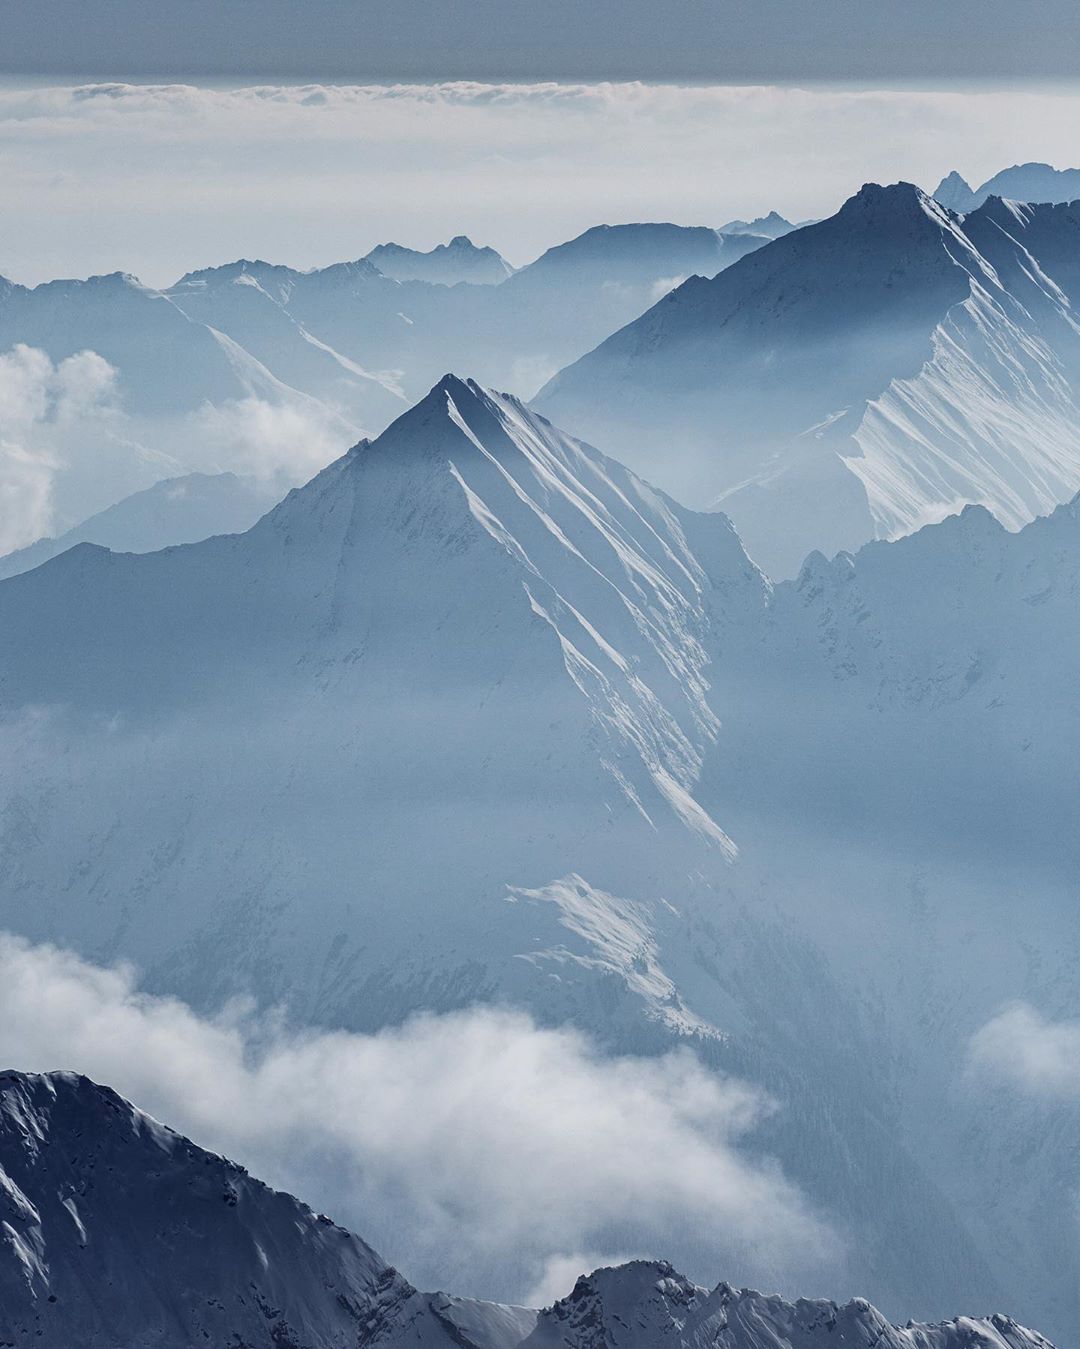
(478, 1150)
(44, 409)
(160, 179)
(1030, 1052)
(283, 443)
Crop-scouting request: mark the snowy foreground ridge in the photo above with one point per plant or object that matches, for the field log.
(117, 1233)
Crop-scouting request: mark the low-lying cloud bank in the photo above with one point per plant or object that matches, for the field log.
(478, 1150)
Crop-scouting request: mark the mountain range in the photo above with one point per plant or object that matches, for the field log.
(119, 1234)
(856, 378)
(478, 716)
(1022, 182)
(270, 373)
(408, 327)
(117, 388)
(175, 510)
(824, 385)
(447, 264)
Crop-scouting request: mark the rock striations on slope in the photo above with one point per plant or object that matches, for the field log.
(856, 378)
(472, 627)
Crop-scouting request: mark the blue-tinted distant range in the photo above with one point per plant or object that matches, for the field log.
(160, 179)
(539, 648)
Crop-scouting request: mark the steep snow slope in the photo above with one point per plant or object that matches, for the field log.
(251, 302)
(349, 315)
(1022, 182)
(645, 1303)
(175, 510)
(477, 628)
(447, 265)
(993, 415)
(856, 378)
(897, 765)
(116, 1233)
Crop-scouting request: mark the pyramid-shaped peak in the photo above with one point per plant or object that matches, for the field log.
(454, 407)
(955, 193)
(460, 390)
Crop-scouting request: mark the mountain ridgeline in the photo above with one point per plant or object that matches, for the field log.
(269, 372)
(856, 378)
(1031, 182)
(119, 1234)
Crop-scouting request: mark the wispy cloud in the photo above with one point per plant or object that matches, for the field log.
(159, 178)
(45, 410)
(476, 1147)
(284, 443)
(1030, 1052)
(69, 447)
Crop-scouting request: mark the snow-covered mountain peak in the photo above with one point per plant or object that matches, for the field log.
(116, 1231)
(895, 212)
(471, 597)
(888, 198)
(645, 1303)
(858, 378)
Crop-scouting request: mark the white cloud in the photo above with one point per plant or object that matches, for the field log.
(1036, 1055)
(662, 285)
(287, 442)
(44, 407)
(476, 1148)
(158, 179)
(68, 447)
